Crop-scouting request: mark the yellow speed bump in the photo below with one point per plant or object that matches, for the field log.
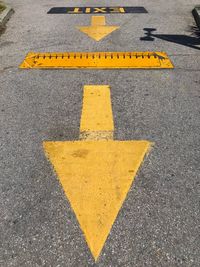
(96, 172)
(97, 60)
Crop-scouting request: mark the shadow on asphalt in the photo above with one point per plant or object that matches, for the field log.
(189, 41)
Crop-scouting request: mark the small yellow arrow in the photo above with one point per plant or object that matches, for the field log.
(98, 29)
(96, 172)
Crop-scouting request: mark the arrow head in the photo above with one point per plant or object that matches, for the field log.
(96, 177)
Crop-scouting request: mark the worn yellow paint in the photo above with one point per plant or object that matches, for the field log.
(96, 120)
(98, 29)
(98, 60)
(96, 175)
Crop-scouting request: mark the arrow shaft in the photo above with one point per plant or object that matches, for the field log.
(98, 21)
(97, 118)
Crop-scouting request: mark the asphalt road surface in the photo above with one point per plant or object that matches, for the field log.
(158, 224)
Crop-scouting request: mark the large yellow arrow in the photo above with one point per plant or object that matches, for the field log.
(96, 172)
(98, 29)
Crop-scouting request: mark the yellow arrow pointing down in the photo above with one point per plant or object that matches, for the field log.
(98, 29)
(97, 172)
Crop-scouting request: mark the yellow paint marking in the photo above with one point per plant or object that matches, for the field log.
(96, 116)
(76, 10)
(87, 10)
(117, 10)
(98, 21)
(98, 29)
(98, 60)
(99, 9)
(96, 175)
